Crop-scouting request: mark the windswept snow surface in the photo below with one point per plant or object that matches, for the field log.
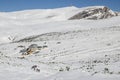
(77, 49)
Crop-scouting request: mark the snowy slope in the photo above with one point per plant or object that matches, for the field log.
(76, 49)
(44, 21)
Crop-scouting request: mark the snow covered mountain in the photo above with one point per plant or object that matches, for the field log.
(95, 13)
(45, 45)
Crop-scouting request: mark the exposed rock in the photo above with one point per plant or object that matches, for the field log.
(35, 68)
(95, 13)
(33, 48)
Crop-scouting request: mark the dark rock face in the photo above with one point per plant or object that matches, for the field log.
(94, 14)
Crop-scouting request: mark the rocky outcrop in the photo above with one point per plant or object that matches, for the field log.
(95, 13)
(33, 48)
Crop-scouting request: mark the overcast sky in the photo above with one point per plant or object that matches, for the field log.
(16, 5)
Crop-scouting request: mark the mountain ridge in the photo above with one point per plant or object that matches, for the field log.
(95, 13)
(64, 13)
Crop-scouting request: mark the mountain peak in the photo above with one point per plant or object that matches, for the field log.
(94, 12)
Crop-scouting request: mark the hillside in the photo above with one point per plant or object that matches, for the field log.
(44, 44)
(95, 13)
